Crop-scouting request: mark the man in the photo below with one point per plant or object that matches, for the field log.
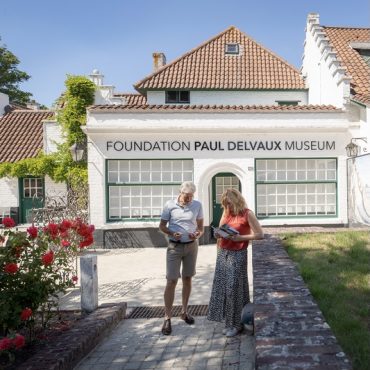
(182, 221)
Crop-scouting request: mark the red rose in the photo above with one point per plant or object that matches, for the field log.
(92, 228)
(65, 225)
(26, 314)
(5, 343)
(47, 258)
(52, 230)
(76, 223)
(8, 222)
(32, 231)
(87, 241)
(65, 243)
(11, 268)
(83, 230)
(19, 341)
(74, 279)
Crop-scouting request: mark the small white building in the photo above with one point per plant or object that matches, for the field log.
(229, 113)
(23, 133)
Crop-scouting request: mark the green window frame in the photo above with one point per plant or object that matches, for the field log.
(296, 187)
(287, 102)
(137, 189)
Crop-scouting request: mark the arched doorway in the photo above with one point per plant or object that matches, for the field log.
(220, 182)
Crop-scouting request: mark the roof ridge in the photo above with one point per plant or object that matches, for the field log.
(33, 111)
(347, 27)
(185, 55)
(128, 93)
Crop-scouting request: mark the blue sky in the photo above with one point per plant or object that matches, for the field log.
(53, 38)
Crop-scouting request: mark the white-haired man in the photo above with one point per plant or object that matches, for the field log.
(182, 221)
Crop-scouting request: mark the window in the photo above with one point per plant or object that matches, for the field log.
(138, 189)
(182, 97)
(291, 102)
(296, 187)
(232, 48)
(33, 187)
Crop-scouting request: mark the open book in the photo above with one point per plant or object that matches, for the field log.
(225, 230)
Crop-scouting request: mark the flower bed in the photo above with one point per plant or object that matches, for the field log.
(35, 266)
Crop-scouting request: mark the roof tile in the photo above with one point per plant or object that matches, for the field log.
(212, 108)
(356, 67)
(208, 67)
(21, 134)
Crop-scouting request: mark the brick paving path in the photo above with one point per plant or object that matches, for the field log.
(138, 344)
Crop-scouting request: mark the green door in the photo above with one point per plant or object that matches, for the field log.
(31, 196)
(220, 183)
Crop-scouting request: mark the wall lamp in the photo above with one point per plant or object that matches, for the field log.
(77, 152)
(353, 149)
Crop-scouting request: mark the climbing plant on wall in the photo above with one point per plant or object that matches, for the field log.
(71, 115)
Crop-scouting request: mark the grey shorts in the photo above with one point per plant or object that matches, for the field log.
(181, 253)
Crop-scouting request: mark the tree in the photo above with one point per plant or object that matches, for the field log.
(11, 76)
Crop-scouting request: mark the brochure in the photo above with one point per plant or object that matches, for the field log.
(225, 231)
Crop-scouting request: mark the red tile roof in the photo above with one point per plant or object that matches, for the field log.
(208, 67)
(132, 98)
(21, 134)
(341, 39)
(212, 108)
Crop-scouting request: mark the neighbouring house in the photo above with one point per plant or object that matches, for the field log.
(336, 66)
(23, 133)
(229, 113)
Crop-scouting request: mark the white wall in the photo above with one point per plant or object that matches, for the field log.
(325, 78)
(359, 190)
(52, 135)
(53, 189)
(234, 97)
(96, 171)
(207, 163)
(9, 192)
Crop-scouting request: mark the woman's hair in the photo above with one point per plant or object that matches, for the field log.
(233, 202)
(188, 187)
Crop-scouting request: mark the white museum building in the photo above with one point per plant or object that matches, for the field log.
(231, 113)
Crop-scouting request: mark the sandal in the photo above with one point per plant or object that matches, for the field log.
(187, 318)
(166, 328)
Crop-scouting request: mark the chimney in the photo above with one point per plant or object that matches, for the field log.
(313, 18)
(96, 77)
(32, 104)
(159, 60)
(4, 102)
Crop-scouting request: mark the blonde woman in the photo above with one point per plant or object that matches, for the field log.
(230, 291)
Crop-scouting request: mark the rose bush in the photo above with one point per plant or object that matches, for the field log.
(35, 267)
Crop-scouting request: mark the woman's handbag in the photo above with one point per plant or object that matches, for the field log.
(247, 317)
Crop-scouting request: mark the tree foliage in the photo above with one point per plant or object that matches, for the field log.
(11, 77)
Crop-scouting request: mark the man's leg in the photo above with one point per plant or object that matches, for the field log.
(186, 290)
(169, 296)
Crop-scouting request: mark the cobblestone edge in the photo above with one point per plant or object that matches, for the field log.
(72, 346)
(291, 332)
